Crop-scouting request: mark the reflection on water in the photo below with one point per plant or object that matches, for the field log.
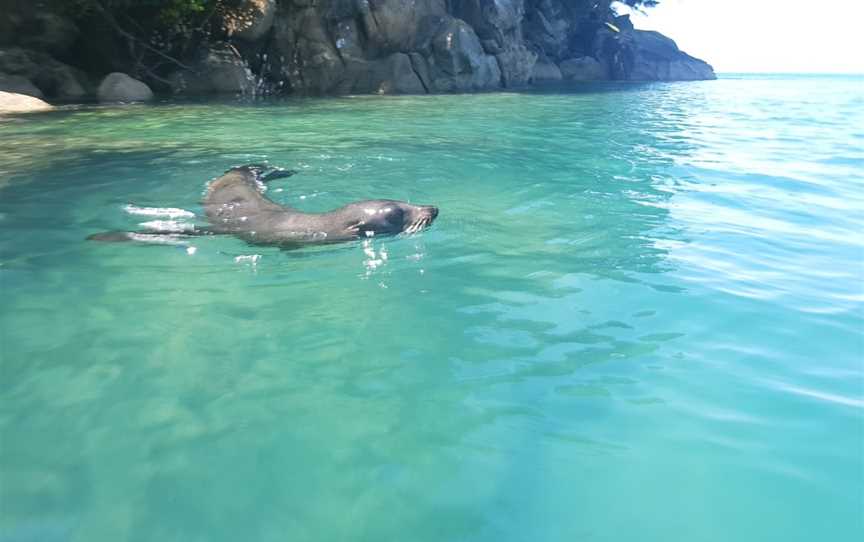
(635, 315)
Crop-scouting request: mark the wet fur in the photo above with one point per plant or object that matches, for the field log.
(235, 204)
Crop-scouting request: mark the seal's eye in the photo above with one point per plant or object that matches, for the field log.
(394, 214)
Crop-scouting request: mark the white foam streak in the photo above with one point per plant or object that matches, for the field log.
(252, 259)
(168, 225)
(165, 212)
(156, 239)
(821, 395)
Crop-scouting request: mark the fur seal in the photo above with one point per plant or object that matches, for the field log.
(235, 204)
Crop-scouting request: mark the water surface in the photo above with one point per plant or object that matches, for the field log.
(638, 317)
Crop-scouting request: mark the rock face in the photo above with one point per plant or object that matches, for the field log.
(458, 61)
(20, 103)
(119, 87)
(584, 68)
(499, 26)
(218, 69)
(546, 72)
(417, 46)
(53, 78)
(651, 56)
(19, 85)
(36, 28)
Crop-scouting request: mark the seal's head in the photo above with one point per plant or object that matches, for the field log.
(389, 217)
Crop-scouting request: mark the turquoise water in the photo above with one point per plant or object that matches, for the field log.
(638, 317)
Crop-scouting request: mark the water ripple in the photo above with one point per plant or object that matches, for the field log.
(648, 294)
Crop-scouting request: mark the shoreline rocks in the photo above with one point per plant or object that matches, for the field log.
(11, 103)
(333, 47)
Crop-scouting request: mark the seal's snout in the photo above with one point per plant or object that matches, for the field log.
(419, 217)
(428, 213)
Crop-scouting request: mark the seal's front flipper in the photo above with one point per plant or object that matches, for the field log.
(354, 228)
(277, 173)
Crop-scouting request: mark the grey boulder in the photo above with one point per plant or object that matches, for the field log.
(119, 87)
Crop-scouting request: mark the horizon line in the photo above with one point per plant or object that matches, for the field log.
(754, 72)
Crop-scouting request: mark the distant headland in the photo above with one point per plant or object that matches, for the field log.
(66, 50)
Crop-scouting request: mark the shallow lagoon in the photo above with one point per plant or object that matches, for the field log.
(638, 317)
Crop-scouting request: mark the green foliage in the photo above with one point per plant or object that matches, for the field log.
(640, 3)
(176, 11)
(152, 37)
(166, 12)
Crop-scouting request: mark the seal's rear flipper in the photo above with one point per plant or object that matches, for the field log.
(263, 172)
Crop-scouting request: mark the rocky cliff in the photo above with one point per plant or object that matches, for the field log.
(345, 46)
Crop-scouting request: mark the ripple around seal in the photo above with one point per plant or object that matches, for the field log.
(639, 314)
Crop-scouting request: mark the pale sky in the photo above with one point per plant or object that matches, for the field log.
(765, 35)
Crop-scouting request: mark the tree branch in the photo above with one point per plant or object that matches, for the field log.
(109, 18)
